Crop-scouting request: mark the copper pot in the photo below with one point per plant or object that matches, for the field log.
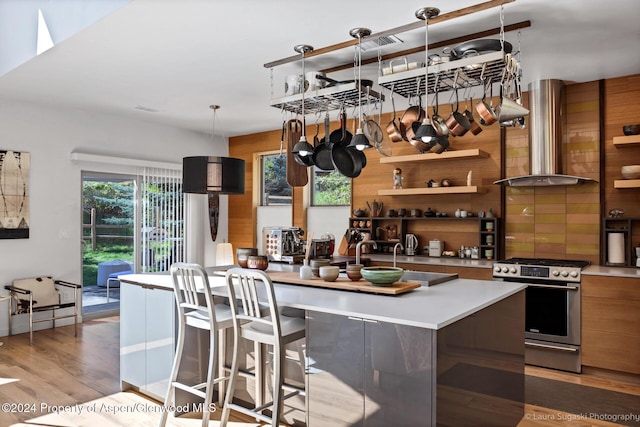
(475, 127)
(412, 119)
(395, 130)
(437, 121)
(484, 110)
(457, 122)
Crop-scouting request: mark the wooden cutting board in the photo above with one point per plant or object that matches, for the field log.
(343, 283)
(296, 173)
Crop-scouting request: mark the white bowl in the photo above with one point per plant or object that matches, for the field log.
(631, 171)
(329, 273)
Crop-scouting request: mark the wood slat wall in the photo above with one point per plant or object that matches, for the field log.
(556, 222)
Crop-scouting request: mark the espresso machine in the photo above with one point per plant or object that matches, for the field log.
(284, 244)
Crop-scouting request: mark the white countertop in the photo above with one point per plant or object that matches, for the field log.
(601, 270)
(431, 307)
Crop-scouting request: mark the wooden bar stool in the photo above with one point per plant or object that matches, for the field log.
(252, 323)
(190, 284)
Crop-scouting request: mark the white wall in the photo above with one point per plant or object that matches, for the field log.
(328, 219)
(50, 135)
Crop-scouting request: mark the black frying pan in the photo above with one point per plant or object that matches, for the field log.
(347, 160)
(479, 47)
(332, 82)
(322, 152)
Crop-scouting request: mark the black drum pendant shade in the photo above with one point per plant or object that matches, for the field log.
(210, 174)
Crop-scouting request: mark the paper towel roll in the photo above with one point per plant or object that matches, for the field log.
(615, 243)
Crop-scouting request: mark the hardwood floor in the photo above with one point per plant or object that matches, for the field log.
(66, 381)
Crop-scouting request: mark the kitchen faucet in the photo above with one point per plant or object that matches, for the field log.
(359, 245)
(395, 252)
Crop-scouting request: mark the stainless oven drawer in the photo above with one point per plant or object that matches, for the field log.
(565, 357)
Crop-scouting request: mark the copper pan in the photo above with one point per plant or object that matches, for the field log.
(394, 129)
(484, 109)
(457, 122)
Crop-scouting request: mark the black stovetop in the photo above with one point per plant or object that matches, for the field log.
(546, 262)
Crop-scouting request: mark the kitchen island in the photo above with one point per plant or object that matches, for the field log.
(446, 354)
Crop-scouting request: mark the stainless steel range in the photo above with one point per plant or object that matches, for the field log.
(552, 318)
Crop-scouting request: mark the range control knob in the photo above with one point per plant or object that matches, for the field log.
(565, 273)
(555, 273)
(574, 274)
(513, 270)
(497, 269)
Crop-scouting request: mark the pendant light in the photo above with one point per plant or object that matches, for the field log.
(302, 147)
(426, 132)
(213, 175)
(360, 141)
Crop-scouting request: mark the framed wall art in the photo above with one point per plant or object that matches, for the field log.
(14, 194)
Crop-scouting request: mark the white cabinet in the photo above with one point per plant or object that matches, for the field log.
(147, 338)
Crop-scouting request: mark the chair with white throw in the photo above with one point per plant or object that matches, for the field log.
(251, 288)
(191, 287)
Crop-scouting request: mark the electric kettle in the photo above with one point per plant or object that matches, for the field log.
(411, 244)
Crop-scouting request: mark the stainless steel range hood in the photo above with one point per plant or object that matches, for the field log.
(546, 134)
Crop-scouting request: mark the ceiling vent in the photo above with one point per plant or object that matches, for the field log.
(374, 43)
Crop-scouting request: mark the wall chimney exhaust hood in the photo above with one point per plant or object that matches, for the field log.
(546, 132)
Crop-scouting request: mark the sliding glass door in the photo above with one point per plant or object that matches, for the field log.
(131, 223)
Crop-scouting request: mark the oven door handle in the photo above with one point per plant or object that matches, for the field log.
(565, 288)
(552, 347)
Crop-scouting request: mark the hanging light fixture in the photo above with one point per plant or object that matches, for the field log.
(359, 141)
(426, 132)
(302, 147)
(213, 175)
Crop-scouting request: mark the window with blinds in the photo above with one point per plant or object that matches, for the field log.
(161, 219)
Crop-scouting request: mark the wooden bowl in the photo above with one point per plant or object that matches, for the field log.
(631, 172)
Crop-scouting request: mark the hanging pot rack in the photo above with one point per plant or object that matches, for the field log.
(407, 83)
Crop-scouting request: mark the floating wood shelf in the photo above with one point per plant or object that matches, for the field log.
(626, 140)
(438, 190)
(626, 183)
(458, 154)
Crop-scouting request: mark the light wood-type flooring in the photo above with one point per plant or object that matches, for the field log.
(66, 381)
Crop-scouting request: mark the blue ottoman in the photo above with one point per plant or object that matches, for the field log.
(105, 269)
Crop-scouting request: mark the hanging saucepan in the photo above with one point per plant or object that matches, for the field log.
(332, 82)
(457, 122)
(322, 152)
(475, 127)
(412, 119)
(437, 121)
(395, 128)
(485, 110)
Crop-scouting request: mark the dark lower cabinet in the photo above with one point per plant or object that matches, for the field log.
(368, 373)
